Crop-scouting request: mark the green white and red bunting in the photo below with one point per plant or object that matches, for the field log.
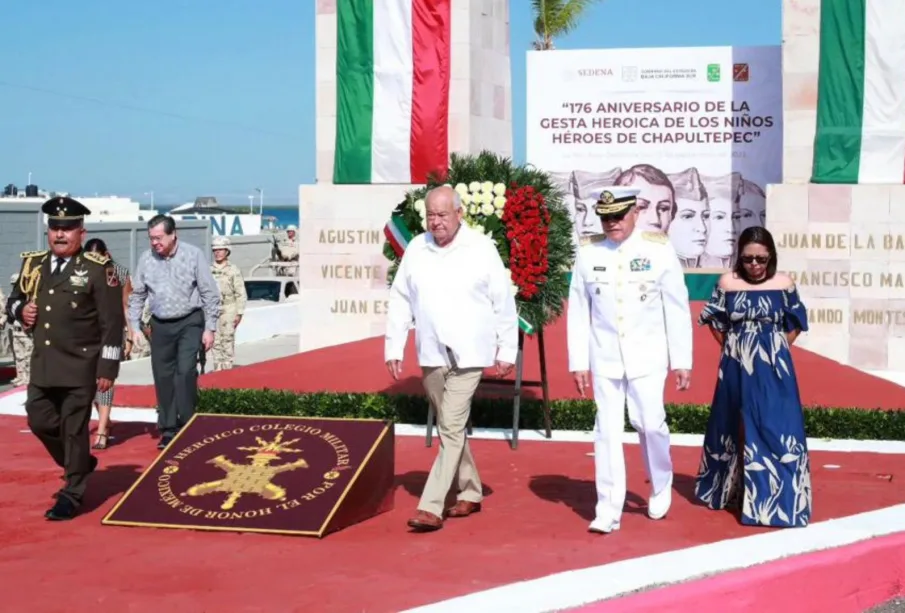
(392, 90)
(398, 235)
(861, 93)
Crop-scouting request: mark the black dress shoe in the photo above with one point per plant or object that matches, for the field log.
(63, 510)
(165, 440)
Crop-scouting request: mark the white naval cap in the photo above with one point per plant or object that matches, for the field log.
(616, 200)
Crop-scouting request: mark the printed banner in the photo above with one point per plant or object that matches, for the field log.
(697, 130)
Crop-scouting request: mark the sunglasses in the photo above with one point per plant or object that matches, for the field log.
(750, 259)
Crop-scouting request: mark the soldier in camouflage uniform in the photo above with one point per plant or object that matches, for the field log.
(286, 250)
(23, 345)
(291, 232)
(232, 304)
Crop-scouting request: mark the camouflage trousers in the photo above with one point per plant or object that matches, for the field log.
(23, 345)
(224, 350)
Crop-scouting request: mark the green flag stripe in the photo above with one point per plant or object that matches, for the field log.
(354, 91)
(840, 92)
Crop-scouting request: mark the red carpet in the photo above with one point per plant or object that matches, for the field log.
(358, 367)
(534, 523)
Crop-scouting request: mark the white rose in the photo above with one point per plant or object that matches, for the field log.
(419, 206)
(466, 199)
(474, 187)
(487, 209)
(499, 189)
(487, 187)
(473, 209)
(499, 202)
(499, 213)
(462, 189)
(424, 223)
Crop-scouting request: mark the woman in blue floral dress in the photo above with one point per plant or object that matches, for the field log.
(755, 454)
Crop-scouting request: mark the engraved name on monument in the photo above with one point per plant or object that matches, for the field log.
(845, 250)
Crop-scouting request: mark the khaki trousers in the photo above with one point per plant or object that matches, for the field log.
(450, 391)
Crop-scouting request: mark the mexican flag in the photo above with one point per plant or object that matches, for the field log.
(397, 234)
(861, 93)
(392, 90)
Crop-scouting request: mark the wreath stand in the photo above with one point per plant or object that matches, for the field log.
(518, 384)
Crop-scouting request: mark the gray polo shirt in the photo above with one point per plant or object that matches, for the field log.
(174, 286)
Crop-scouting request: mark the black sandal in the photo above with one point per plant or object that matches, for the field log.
(102, 440)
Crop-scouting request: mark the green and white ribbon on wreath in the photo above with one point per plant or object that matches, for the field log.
(398, 234)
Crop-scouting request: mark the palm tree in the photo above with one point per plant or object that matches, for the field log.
(553, 18)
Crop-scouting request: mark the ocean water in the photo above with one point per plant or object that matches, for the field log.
(285, 215)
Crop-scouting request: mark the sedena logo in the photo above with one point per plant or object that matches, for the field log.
(595, 72)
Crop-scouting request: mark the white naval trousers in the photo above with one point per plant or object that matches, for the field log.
(647, 415)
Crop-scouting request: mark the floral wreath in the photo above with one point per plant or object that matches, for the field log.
(521, 210)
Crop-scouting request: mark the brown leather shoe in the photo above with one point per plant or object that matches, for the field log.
(425, 522)
(464, 508)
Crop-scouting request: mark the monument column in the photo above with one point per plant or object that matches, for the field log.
(343, 292)
(844, 244)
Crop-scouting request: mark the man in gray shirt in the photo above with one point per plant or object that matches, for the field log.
(184, 300)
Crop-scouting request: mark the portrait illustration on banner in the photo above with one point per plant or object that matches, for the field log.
(702, 215)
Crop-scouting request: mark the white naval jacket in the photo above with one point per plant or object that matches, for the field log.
(458, 296)
(628, 313)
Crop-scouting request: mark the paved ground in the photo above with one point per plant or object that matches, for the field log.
(896, 605)
(138, 372)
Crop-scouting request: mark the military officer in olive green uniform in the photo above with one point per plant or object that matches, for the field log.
(72, 302)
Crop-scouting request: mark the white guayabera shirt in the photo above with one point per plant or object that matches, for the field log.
(457, 297)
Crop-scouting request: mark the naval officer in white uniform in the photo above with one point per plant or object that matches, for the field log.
(629, 323)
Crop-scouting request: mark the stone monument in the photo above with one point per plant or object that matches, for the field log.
(343, 290)
(843, 244)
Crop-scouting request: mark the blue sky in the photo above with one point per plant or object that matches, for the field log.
(203, 97)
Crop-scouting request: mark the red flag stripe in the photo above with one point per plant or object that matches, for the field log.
(431, 49)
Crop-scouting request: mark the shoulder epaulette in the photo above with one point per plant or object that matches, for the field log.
(32, 254)
(591, 239)
(655, 237)
(97, 258)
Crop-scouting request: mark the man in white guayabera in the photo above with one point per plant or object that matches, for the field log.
(452, 285)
